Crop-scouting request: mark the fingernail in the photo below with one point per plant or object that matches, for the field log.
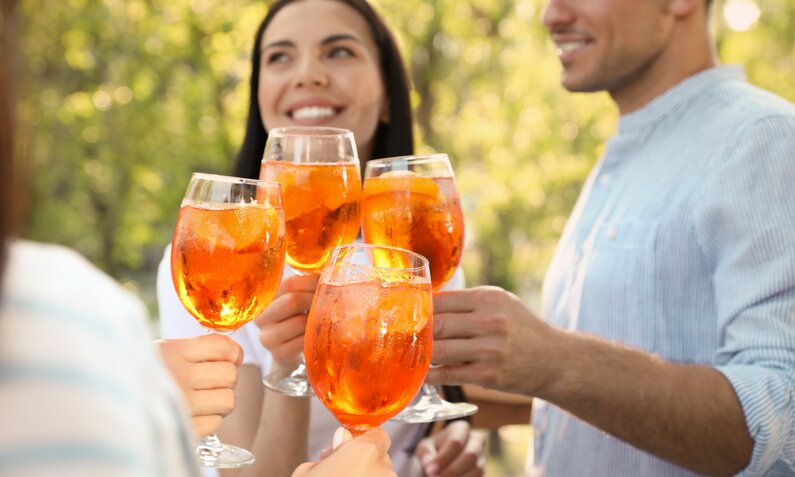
(426, 460)
(339, 437)
(431, 469)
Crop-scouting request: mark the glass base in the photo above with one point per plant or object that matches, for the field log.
(295, 384)
(213, 453)
(431, 407)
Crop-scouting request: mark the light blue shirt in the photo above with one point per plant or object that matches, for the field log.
(83, 391)
(682, 243)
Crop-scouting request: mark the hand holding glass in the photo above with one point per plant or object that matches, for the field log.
(227, 259)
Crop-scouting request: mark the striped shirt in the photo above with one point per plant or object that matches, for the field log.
(682, 243)
(82, 390)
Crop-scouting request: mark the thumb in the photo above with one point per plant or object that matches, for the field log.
(304, 469)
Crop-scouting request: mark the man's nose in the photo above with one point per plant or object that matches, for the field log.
(557, 14)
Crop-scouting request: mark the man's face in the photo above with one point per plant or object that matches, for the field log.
(608, 45)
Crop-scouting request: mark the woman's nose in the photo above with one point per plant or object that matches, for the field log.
(311, 72)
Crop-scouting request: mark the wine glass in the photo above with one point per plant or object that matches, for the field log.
(369, 336)
(318, 169)
(227, 259)
(412, 202)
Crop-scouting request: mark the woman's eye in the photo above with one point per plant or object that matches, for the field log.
(341, 52)
(277, 57)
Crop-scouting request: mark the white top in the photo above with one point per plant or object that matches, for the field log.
(176, 322)
(82, 390)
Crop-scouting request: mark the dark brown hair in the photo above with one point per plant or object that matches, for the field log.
(7, 60)
(393, 139)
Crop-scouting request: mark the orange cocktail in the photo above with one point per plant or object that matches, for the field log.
(321, 208)
(227, 258)
(369, 337)
(227, 261)
(422, 214)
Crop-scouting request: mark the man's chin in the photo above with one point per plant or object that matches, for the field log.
(580, 85)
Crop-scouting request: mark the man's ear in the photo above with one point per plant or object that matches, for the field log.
(683, 8)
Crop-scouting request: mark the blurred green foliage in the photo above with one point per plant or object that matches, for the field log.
(126, 98)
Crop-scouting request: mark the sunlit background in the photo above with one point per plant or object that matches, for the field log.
(123, 99)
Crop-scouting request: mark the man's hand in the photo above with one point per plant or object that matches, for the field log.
(283, 323)
(205, 368)
(487, 336)
(453, 452)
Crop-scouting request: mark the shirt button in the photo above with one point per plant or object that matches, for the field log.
(611, 233)
(604, 179)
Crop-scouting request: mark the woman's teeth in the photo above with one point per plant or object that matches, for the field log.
(313, 112)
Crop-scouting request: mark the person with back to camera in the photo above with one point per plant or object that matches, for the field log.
(82, 390)
(319, 63)
(668, 345)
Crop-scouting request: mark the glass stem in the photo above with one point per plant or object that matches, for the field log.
(300, 371)
(208, 449)
(430, 393)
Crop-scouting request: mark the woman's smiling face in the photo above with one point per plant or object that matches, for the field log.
(320, 67)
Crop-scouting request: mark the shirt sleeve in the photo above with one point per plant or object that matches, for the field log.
(745, 220)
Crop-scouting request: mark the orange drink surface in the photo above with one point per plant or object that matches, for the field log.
(368, 348)
(227, 261)
(421, 214)
(321, 208)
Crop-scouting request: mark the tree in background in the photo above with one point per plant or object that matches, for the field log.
(127, 97)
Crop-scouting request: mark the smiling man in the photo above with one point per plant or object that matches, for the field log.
(667, 344)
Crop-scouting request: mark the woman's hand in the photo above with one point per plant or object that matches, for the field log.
(454, 451)
(205, 369)
(282, 324)
(363, 456)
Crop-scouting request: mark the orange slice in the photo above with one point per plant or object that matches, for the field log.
(401, 181)
(405, 306)
(251, 223)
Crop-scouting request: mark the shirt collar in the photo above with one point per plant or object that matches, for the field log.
(679, 95)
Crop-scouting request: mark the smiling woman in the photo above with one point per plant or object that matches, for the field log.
(342, 68)
(328, 76)
(330, 63)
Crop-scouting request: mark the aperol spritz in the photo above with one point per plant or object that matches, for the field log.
(321, 208)
(422, 214)
(318, 169)
(227, 258)
(369, 336)
(412, 202)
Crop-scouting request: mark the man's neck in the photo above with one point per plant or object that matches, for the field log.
(690, 51)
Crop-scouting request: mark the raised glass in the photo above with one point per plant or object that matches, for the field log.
(412, 202)
(368, 340)
(227, 259)
(318, 169)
